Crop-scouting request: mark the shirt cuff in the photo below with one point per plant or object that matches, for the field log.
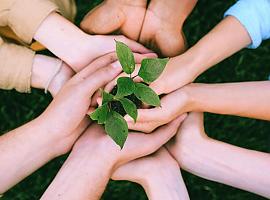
(16, 73)
(26, 16)
(255, 17)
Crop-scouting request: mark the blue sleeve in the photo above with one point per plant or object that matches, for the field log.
(254, 15)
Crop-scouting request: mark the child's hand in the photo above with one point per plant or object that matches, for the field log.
(111, 16)
(172, 105)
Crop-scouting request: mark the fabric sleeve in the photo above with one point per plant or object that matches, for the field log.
(15, 67)
(25, 16)
(254, 15)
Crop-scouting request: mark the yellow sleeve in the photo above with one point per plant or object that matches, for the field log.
(15, 67)
(25, 16)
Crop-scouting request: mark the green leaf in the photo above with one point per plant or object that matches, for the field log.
(151, 68)
(116, 127)
(146, 94)
(125, 57)
(125, 87)
(106, 97)
(130, 108)
(100, 114)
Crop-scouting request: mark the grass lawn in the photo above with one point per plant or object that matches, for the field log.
(17, 109)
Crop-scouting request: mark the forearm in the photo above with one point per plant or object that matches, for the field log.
(166, 185)
(83, 176)
(65, 40)
(231, 165)
(22, 151)
(218, 44)
(49, 73)
(248, 99)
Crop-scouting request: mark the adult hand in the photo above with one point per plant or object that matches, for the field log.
(95, 156)
(70, 106)
(75, 47)
(158, 174)
(172, 105)
(111, 16)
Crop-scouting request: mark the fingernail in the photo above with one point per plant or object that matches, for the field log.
(128, 118)
(116, 65)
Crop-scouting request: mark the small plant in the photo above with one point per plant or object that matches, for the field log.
(151, 68)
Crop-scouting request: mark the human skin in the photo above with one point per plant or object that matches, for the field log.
(153, 26)
(245, 99)
(218, 161)
(95, 156)
(44, 69)
(162, 31)
(158, 174)
(75, 47)
(218, 44)
(54, 132)
(112, 16)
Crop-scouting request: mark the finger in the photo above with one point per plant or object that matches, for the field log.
(91, 110)
(135, 46)
(102, 21)
(99, 101)
(95, 97)
(157, 87)
(99, 79)
(139, 57)
(148, 115)
(145, 127)
(103, 61)
(150, 143)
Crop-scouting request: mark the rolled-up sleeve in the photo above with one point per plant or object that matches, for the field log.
(25, 16)
(15, 67)
(254, 15)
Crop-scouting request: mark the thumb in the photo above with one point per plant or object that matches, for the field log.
(102, 21)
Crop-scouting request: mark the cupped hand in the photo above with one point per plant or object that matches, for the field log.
(116, 16)
(190, 135)
(137, 145)
(69, 108)
(172, 106)
(146, 168)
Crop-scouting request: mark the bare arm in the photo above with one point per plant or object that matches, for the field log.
(218, 44)
(75, 47)
(25, 149)
(247, 99)
(94, 157)
(158, 174)
(218, 161)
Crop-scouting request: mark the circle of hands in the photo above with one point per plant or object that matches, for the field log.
(162, 139)
(154, 28)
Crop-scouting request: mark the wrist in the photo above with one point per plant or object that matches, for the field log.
(43, 69)
(163, 184)
(190, 151)
(190, 92)
(44, 73)
(65, 73)
(65, 40)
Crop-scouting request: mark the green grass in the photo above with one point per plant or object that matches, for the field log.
(17, 109)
